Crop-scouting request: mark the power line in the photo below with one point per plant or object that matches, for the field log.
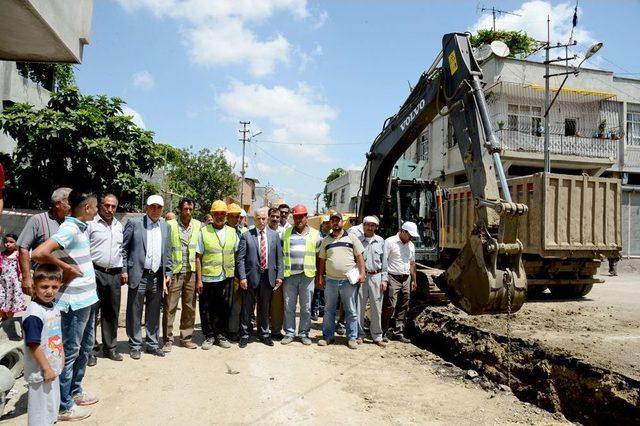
(287, 165)
(312, 143)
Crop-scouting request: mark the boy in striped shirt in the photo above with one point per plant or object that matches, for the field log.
(69, 249)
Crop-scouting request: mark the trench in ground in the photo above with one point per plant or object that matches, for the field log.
(550, 378)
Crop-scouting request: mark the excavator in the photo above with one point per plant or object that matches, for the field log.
(488, 276)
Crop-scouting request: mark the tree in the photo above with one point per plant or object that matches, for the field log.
(83, 142)
(52, 77)
(519, 42)
(333, 175)
(205, 176)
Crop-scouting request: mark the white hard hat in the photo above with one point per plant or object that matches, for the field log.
(371, 219)
(411, 228)
(155, 199)
(243, 213)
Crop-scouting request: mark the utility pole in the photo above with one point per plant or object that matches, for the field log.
(547, 100)
(244, 140)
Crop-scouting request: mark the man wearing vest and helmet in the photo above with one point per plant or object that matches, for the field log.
(299, 246)
(184, 240)
(235, 219)
(215, 268)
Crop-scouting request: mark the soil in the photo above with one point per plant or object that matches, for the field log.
(400, 384)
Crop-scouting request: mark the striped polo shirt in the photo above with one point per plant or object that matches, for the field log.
(75, 250)
(298, 244)
(340, 254)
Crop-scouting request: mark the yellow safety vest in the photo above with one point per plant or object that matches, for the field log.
(176, 244)
(309, 252)
(217, 258)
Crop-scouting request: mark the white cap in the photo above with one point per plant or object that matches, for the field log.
(243, 213)
(371, 219)
(326, 218)
(155, 199)
(411, 228)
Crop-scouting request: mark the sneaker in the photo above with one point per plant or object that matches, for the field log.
(167, 347)
(323, 342)
(380, 343)
(92, 360)
(135, 354)
(359, 340)
(223, 343)
(286, 340)
(314, 316)
(188, 344)
(73, 414)
(277, 335)
(341, 330)
(208, 343)
(85, 398)
(243, 342)
(305, 340)
(352, 344)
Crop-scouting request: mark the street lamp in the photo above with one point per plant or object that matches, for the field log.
(548, 104)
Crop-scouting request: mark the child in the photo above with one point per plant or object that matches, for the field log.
(43, 354)
(11, 297)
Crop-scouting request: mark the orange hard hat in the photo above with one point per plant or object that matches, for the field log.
(299, 210)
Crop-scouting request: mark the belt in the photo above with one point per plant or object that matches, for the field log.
(107, 270)
(149, 271)
(374, 272)
(400, 278)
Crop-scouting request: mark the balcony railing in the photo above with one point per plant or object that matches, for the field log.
(512, 140)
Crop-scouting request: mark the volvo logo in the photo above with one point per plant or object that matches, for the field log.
(413, 115)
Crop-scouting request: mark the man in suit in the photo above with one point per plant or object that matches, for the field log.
(260, 270)
(146, 252)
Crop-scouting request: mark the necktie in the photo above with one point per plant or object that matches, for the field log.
(263, 251)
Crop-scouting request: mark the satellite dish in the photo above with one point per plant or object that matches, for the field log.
(483, 52)
(499, 48)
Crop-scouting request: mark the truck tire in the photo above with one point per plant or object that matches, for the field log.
(570, 291)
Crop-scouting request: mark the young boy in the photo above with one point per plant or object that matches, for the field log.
(44, 355)
(69, 249)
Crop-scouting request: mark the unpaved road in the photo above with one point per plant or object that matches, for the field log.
(602, 328)
(334, 385)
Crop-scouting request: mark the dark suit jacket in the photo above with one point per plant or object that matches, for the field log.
(134, 248)
(248, 257)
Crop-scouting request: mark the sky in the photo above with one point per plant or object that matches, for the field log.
(316, 78)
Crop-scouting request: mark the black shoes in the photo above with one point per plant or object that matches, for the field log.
(113, 355)
(93, 360)
(135, 354)
(155, 351)
(277, 336)
(243, 342)
(267, 341)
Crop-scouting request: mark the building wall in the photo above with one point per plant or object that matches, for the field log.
(344, 191)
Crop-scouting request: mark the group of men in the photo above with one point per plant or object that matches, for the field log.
(240, 276)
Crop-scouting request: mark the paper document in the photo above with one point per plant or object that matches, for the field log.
(353, 275)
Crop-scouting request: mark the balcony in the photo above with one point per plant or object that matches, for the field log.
(513, 140)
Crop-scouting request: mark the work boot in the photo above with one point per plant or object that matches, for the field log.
(352, 344)
(167, 346)
(286, 340)
(188, 344)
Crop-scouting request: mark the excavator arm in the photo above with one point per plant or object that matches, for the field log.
(488, 275)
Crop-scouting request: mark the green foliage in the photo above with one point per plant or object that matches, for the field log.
(52, 77)
(333, 175)
(205, 176)
(83, 142)
(519, 42)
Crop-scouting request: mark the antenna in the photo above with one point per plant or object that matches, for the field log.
(493, 11)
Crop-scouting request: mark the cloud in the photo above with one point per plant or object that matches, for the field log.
(298, 117)
(533, 20)
(135, 116)
(222, 32)
(307, 58)
(143, 80)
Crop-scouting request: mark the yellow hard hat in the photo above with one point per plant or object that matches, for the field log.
(218, 206)
(233, 208)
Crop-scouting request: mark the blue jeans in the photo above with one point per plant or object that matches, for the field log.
(78, 335)
(348, 294)
(297, 286)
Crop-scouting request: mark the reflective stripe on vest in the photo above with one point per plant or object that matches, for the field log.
(176, 245)
(309, 252)
(215, 258)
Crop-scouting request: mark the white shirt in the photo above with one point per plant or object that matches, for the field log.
(266, 244)
(106, 242)
(398, 255)
(280, 230)
(153, 256)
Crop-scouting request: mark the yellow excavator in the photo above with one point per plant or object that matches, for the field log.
(487, 277)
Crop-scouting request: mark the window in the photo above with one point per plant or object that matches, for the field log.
(525, 118)
(334, 199)
(570, 126)
(633, 128)
(423, 148)
(342, 195)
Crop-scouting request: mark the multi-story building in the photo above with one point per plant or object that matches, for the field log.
(344, 191)
(594, 129)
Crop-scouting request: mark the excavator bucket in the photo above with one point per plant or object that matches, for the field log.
(482, 280)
